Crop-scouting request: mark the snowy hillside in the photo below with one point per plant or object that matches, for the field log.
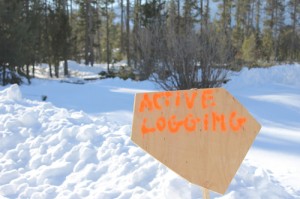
(77, 143)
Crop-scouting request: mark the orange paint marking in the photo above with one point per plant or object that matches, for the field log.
(156, 97)
(207, 98)
(145, 129)
(218, 119)
(173, 125)
(206, 122)
(161, 124)
(190, 101)
(240, 122)
(168, 95)
(212, 121)
(146, 103)
(193, 121)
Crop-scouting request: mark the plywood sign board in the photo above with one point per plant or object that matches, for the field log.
(203, 135)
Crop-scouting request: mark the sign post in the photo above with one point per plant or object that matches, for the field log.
(206, 193)
(203, 135)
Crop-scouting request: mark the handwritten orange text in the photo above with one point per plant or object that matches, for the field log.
(165, 99)
(209, 117)
(210, 122)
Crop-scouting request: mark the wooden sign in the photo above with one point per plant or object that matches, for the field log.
(203, 135)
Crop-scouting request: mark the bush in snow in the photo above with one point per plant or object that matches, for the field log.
(9, 76)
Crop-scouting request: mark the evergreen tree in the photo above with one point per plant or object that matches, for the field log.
(225, 8)
(58, 33)
(206, 14)
(86, 30)
(122, 36)
(291, 37)
(128, 46)
(12, 30)
(257, 16)
(188, 15)
(247, 20)
(106, 39)
(108, 45)
(249, 49)
(273, 24)
(267, 45)
(240, 30)
(172, 15)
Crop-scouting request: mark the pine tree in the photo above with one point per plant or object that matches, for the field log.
(225, 12)
(108, 18)
(188, 16)
(274, 23)
(12, 30)
(249, 49)
(244, 20)
(86, 29)
(172, 15)
(136, 27)
(294, 44)
(206, 13)
(108, 45)
(267, 45)
(128, 46)
(122, 37)
(89, 32)
(58, 35)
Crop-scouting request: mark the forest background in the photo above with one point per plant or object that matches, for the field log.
(161, 37)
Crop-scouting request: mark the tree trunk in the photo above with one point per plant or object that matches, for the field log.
(89, 54)
(50, 70)
(66, 70)
(201, 16)
(3, 75)
(99, 45)
(56, 70)
(224, 14)
(107, 36)
(178, 18)
(71, 8)
(122, 27)
(27, 70)
(86, 48)
(294, 17)
(135, 31)
(207, 13)
(257, 17)
(128, 33)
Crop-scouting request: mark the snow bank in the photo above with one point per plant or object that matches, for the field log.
(282, 74)
(50, 152)
(12, 93)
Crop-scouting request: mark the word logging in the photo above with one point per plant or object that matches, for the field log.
(208, 117)
(210, 122)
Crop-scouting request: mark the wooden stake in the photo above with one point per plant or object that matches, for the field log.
(205, 193)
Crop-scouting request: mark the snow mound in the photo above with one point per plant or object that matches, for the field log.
(282, 74)
(50, 152)
(13, 93)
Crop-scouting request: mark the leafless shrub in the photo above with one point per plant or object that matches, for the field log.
(184, 60)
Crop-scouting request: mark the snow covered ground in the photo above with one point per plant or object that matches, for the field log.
(77, 143)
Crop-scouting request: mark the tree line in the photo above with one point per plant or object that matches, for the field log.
(179, 43)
